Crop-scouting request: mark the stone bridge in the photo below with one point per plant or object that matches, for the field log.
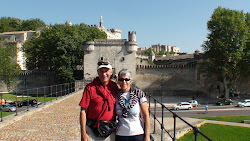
(58, 120)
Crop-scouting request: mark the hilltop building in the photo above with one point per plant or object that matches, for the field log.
(167, 48)
(111, 33)
(18, 38)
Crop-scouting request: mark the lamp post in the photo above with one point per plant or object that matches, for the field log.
(1, 93)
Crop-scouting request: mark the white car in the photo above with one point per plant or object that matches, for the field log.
(244, 104)
(183, 106)
(246, 100)
(7, 108)
(194, 103)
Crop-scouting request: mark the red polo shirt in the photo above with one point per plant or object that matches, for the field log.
(93, 99)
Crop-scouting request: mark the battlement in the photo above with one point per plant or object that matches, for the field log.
(35, 72)
(132, 36)
(114, 30)
(109, 41)
(177, 66)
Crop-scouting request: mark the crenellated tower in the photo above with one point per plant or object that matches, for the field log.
(132, 45)
(120, 52)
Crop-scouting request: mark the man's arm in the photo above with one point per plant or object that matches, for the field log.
(83, 120)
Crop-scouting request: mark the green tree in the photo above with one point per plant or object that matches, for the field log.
(31, 24)
(59, 48)
(9, 24)
(162, 52)
(226, 47)
(9, 69)
(147, 51)
(14, 24)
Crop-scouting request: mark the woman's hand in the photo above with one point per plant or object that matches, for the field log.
(145, 113)
(147, 138)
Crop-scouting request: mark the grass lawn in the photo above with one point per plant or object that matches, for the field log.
(220, 133)
(7, 113)
(238, 119)
(12, 97)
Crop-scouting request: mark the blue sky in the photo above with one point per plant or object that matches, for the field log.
(181, 23)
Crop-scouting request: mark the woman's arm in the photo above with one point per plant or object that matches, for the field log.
(145, 113)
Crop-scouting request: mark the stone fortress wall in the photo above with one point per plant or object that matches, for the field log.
(179, 76)
(30, 79)
(171, 80)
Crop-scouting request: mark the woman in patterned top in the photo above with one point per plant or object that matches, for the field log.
(132, 111)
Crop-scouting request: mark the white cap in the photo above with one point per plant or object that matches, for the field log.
(104, 64)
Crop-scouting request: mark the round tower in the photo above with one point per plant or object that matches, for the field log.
(132, 36)
(88, 46)
(132, 44)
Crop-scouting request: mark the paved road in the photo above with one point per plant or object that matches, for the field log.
(213, 111)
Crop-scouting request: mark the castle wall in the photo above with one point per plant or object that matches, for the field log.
(170, 81)
(32, 79)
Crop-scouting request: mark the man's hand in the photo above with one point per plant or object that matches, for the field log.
(85, 137)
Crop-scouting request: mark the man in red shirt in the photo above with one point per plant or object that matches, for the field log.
(98, 101)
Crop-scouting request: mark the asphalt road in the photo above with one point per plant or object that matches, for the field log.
(227, 110)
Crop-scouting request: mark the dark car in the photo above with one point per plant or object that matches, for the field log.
(225, 102)
(18, 103)
(31, 102)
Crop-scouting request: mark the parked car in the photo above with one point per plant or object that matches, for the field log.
(244, 104)
(225, 102)
(7, 108)
(246, 100)
(194, 103)
(31, 102)
(16, 103)
(183, 106)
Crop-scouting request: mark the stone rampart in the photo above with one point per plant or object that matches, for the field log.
(171, 80)
(181, 79)
(32, 79)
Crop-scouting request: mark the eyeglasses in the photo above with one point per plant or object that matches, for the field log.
(122, 79)
(102, 63)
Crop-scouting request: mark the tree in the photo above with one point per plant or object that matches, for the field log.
(31, 24)
(226, 47)
(9, 24)
(14, 24)
(9, 69)
(59, 48)
(147, 51)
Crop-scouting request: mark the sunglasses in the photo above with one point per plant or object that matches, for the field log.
(102, 63)
(122, 79)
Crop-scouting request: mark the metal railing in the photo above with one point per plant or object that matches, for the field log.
(163, 129)
(48, 94)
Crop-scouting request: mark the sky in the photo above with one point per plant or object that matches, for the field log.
(181, 23)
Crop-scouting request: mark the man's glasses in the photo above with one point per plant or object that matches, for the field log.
(102, 63)
(122, 79)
